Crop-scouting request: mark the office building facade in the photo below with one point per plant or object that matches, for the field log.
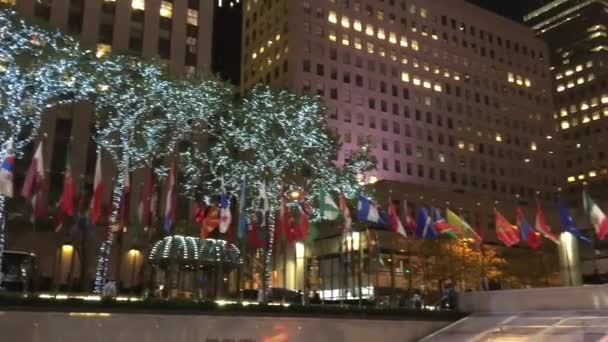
(454, 99)
(577, 35)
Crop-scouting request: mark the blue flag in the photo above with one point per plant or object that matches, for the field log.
(425, 229)
(242, 228)
(568, 224)
(368, 212)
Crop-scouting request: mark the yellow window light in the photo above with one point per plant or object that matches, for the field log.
(403, 41)
(166, 9)
(357, 25)
(369, 30)
(138, 5)
(405, 77)
(571, 179)
(332, 17)
(381, 34)
(392, 38)
(345, 22)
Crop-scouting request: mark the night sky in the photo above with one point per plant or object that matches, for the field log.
(513, 9)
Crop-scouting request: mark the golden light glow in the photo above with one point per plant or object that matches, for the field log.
(138, 4)
(332, 17)
(103, 50)
(166, 9)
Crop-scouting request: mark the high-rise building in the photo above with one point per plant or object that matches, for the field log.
(577, 35)
(454, 99)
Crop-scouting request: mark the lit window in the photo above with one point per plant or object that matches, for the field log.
(405, 77)
(581, 177)
(166, 9)
(571, 179)
(332, 35)
(563, 112)
(527, 82)
(559, 76)
(586, 119)
(510, 77)
(589, 64)
(332, 17)
(192, 17)
(498, 137)
(392, 38)
(461, 145)
(569, 72)
(370, 47)
(345, 22)
(592, 173)
(584, 106)
(138, 5)
(519, 80)
(381, 34)
(381, 52)
(415, 45)
(403, 41)
(596, 116)
(103, 50)
(580, 80)
(471, 147)
(254, 55)
(604, 99)
(533, 146)
(437, 87)
(579, 67)
(358, 44)
(570, 85)
(560, 88)
(590, 77)
(345, 40)
(427, 84)
(369, 30)
(416, 81)
(357, 25)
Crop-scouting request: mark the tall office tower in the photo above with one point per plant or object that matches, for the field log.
(577, 35)
(454, 99)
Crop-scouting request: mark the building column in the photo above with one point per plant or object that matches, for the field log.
(569, 260)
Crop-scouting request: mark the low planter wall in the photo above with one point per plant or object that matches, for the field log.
(26, 326)
(553, 298)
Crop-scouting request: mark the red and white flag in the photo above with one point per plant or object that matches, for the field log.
(596, 216)
(34, 185)
(541, 225)
(396, 225)
(169, 219)
(348, 221)
(97, 199)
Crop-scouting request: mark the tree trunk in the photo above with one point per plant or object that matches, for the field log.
(2, 225)
(101, 273)
(267, 262)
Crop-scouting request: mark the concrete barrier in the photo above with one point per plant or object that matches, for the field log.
(554, 298)
(102, 327)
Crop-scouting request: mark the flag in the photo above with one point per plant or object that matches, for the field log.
(505, 231)
(169, 215)
(368, 212)
(225, 214)
(329, 209)
(348, 221)
(149, 199)
(568, 224)
(442, 226)
(466, 231)
(97, 199)
(526, 233)
(541, 226)
(33, 187)
(242, 227)
(253, 235)
(124, 200)
(410, 222)
(210, 222)
(424, 226)
(396, 225)
(6, 169)
(596, 216)
(304, 225)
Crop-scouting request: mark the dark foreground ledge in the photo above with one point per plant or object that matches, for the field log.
(178, 307)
